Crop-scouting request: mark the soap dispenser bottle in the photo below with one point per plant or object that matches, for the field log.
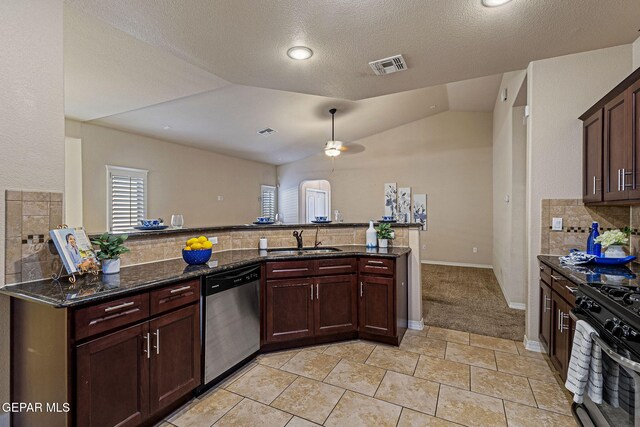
(372, 236)
(594, 248)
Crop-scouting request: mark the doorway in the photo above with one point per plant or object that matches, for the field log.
(315, 200)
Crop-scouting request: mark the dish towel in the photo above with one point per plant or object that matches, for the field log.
(585, 366)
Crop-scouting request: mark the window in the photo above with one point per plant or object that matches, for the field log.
(126, 197)
(268, 201)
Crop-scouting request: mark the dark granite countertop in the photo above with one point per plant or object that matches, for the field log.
(203, 230)
(89, 289)
(590, 273)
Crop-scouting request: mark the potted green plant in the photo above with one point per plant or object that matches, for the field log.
(614, 242)
(385, 233)
(110, 249)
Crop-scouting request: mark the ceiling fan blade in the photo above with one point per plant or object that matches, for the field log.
(352, 149)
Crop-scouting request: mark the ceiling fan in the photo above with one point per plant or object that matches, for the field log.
(334, 148)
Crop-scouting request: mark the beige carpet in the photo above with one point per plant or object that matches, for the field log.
(470, 300)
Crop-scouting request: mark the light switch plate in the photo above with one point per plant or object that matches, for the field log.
(213, 240)
(556, 224)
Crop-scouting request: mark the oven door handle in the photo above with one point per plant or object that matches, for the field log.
(627, 363)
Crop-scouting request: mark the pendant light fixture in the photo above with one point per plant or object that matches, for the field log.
(332, 148)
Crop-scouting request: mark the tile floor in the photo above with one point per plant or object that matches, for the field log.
(436, 378)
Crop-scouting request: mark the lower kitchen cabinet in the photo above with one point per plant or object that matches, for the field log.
(556, 326)
(336, 304)
(175, 356)
(113, 379)
(545, 314)
(377, 305)
(289, 306)
(127, 376)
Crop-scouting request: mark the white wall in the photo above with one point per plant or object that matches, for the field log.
(504, 157)
(636, 54)
(73, 182)
(446, 156)
(559, 90)
(181, 179)
(31, 119)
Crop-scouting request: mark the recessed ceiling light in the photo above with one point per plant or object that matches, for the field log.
(300, 52)
(494, 3)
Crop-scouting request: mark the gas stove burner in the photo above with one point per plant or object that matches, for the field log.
(616, 291)
(631, 298)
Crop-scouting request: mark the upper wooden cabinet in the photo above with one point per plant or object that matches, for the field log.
(611, 152)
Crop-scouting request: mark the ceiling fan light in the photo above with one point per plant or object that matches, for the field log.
(332, 148)
(494, 3)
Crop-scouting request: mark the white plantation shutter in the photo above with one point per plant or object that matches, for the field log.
(268, 201)
(126, 197)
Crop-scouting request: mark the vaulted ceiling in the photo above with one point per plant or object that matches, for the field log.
(216, 71)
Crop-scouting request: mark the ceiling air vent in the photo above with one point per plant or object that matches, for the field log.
(388, 65)
(266, 132)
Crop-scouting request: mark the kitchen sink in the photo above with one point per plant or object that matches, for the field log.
(303, 251)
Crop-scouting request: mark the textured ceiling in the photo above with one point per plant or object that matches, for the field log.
(244, 41)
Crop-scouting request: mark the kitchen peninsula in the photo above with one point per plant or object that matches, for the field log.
(100, 337)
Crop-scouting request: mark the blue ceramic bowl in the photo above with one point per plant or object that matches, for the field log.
(264, 219)
(321, 218)
(200, 256)
(387, 218)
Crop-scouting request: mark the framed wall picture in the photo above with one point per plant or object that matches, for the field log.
(74, 248)
(404, 204)
(390, 199)
(420, 210)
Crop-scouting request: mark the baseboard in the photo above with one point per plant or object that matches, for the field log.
(456, 264)
(532, 345)
(516, 305)
(417, 325)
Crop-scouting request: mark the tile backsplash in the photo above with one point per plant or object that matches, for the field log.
(576, 224)
(29, 217)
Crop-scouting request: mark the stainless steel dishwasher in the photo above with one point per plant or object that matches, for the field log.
(231, 321)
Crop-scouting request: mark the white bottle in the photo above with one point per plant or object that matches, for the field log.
(372, 236)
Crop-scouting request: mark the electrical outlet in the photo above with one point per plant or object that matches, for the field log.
(220, 198)
(213, 240)
(475, 250)
(556, 224)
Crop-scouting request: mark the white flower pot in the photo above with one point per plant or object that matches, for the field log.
(110, 266)
(383, 243)
(615, 251)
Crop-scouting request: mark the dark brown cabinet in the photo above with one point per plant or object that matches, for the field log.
(289, 306)
(334, 298)
(556, 326)
(376, 305)
(611, 135)
(545, 315)
(592, 158)
(113, 379)
(336, 304)
(175, 356)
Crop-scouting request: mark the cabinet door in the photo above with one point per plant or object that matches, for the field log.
(616, 150)
(112, 379)
(545, 315)
(376, 305)
(175, 356)
(633, 100)
(559, 353)
(289, 306)
(592, 158)
(336, 304)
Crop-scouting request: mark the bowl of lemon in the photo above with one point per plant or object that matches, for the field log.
(197, 251)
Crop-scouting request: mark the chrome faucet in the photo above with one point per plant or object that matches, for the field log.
(298, 236)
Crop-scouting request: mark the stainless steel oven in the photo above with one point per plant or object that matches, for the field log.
(621, 379)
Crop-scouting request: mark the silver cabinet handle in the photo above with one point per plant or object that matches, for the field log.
(157, 335)
(119, 306)
(311, 291)
(541, 268)
(361, 289)
(564, 327)
(557, 278)
(618, 179)
(570, 289)
(623, 179)
(317, 292)
(148, 345)
(374, 262)
(545, 307)
(559, 320)
(184, 288)
(594, 185)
